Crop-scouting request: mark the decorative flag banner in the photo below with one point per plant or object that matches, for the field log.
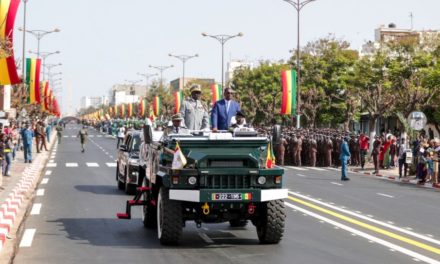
(122, 110)
(115, 111)
(8, 70)
(130, 110)
(151, 115)
(142, 108)
(157, 105)
(50, 101)
(216, 91)
(44, 95)
(179, 160)
(110, 111)
(178, 99)
(288, 81)
(270, 159)
(33, 80)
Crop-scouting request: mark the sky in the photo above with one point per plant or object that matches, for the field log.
(105, 42)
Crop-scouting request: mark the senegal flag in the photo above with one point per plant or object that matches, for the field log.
(288, 81)
(157, 105)
(178, 98)
(33, 67)
(270, 158)
(216, 92)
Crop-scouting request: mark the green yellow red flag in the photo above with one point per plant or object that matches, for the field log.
(178, 99)
(216, 92)
(157, 105)
(8, 70)
(33, 80)
(288, 83)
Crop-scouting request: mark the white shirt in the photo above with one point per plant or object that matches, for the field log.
(228, 103)
(121, 132)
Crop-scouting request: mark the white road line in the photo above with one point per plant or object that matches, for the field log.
(205, 238)
(336, 183)
(98, 136)
(385, 195)
(365, 235)
(316, 168)
(48, 172)
(301, 175)
(71, 164)
(73, 136)
(65, 136)
(90, 136)
(40, 192)
(36, 208)
(111, 164)
(296, 168)
(92, 164)
(51, 165)
(369, 218)
(28, 236)
(44, 180)
(51, 161)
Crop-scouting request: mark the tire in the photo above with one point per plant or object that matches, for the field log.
(129, 188)
(169, 219)
(270, 227)
(238, 222)
(121, 185)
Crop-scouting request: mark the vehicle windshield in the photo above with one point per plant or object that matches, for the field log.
(135, 143)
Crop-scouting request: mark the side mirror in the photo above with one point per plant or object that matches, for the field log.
(123, 147)
(148, 134)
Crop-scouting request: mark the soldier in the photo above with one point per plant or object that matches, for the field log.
(328, 151)
(313, 146)
(280, 150)
(176, 127)
(298, 150)
(354, 150)
(194, 111)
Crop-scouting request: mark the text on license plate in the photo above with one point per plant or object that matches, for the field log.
(231, 196)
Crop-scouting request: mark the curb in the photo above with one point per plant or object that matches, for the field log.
(396, 179)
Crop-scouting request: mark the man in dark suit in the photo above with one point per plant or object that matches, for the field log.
(223, 111)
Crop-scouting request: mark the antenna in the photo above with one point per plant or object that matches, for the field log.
(411, 16)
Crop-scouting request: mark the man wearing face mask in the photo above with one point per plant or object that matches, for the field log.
(193, 111)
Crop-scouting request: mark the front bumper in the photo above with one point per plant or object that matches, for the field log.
(212, 195)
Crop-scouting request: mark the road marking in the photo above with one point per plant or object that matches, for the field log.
(48, 172)
(92, 164)
(65, 136)
(111, 164)
(316, 168)
(390, 222)
(336, 183)
(301, 175)
(51, 161)
(73, 136)
(385, 195)
(51, 165)
(36, 208)
(91, 136)
(28, 236)
(338, 225)
(71, 164)
(369, 227)
(44, 180)
(40, 192)
(296, 168)
(98, 136)
(206, 238)
(368, 218)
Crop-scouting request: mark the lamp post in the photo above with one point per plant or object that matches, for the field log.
(161, 69)
(222, 39)
(50, 66)
(132, 83)
(39, 34)
(298, 5)
(44, 55)
(183, 59)
(146, 76)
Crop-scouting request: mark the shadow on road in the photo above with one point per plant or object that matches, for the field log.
(100, 189)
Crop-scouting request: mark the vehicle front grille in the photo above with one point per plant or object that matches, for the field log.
(225, 181)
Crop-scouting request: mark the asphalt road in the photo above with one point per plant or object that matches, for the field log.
(328, 221)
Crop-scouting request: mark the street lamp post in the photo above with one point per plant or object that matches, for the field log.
(183, 59)
(298, 5)
(132, 83)
(44, 55)
(39, 34)
(222, 39)
(161, 69)
(147, 77)
(50, 66)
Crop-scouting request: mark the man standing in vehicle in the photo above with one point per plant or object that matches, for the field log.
(223, 111)
(194, 111)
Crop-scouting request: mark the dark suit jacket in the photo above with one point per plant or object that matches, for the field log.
(221, 119)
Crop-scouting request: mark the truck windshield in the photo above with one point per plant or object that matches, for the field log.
(135, 143)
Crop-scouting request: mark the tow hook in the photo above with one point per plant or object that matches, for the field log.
(251, 209)
(205, 209)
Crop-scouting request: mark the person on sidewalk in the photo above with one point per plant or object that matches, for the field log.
(7, 151)
(344, 156)
(2, 149)
(59, 130)
(43, 136)
(15, 140)
(364, 145)
(402, 159)
(82, 134)
(48, 131)
(27, 135)
(375, 153)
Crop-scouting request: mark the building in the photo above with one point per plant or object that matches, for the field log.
(177, 84)
(232, 66)
(87, 101)
(126, 93)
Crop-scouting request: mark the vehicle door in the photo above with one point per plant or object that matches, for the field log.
(124, 154)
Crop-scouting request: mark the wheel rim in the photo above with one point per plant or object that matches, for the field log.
(159, 215)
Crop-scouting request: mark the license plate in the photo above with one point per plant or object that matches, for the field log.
(231, 196)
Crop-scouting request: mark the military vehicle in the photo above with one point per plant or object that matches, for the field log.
(225, 179)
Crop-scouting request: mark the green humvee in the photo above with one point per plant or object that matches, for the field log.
(224, 180)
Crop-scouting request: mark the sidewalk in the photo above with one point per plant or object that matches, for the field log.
(17, 190)
(391, 174)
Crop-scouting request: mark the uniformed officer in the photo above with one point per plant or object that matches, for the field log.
(194, 111)
(176, 127)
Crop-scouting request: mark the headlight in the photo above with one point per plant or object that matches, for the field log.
(192, 180)
(261, 180)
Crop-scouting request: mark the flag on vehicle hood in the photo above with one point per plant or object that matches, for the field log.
(270, 159)
(179, 160)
